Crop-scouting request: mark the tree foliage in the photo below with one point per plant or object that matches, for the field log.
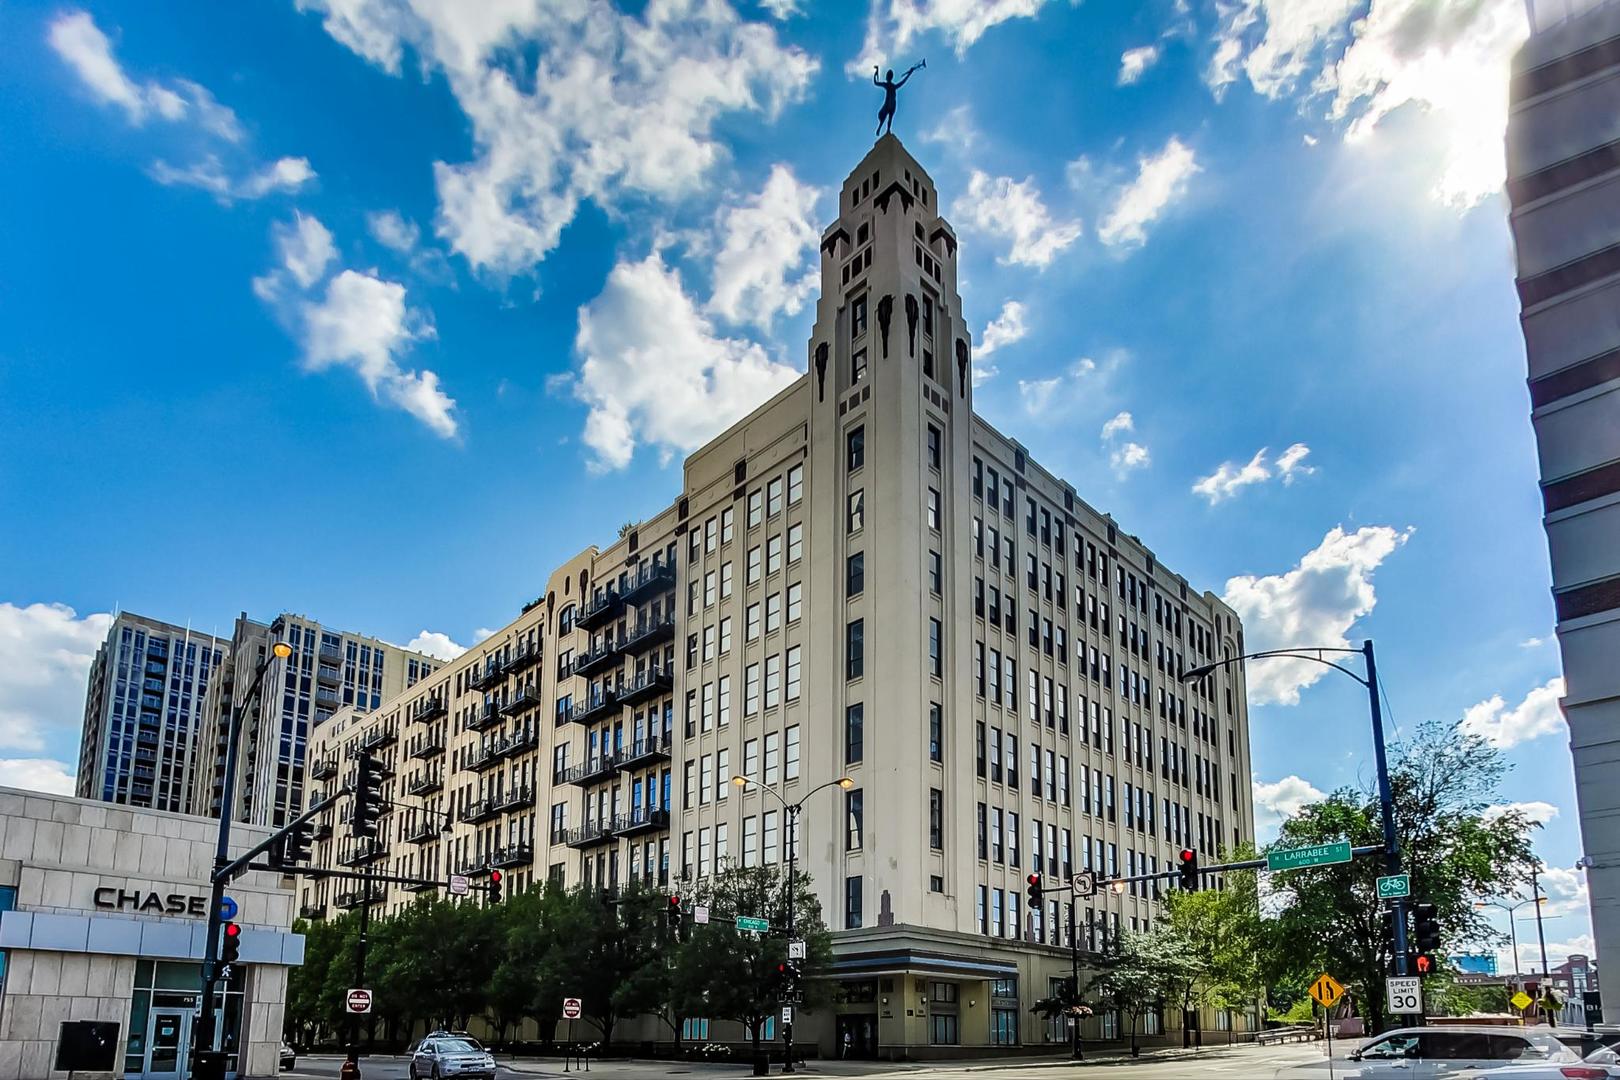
(1220, 929)
(1140, 973)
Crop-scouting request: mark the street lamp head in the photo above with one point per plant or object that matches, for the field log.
(845, 782)
(741, 781)
(1197, 673)
(281, 649)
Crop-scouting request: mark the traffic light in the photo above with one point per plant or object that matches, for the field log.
(230, 946)
(674, 911)
(368, 796)
(293, 846)
(1425, 938)
(1034, 891)
(1189, 869)
(1386, 919)
(495, 886)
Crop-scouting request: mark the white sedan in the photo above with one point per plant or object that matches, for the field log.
(1601, 1064)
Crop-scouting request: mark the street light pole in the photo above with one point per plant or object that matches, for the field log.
(208, 1063)
(1513, 927)
(1541, 936)
(791, 816)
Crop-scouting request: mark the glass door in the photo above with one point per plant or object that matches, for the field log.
(167, 1040)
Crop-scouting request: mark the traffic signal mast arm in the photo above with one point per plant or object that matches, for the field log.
(1219, 868)
(231, 869)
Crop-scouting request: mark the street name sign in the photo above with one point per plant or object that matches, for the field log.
(1403, 994)
(571, 1008)
(1326, 990)
(748, 922)
(700, 913)
(1395, 887)
(1084, 883)
(458, 885)
(795, 950)
(358, 1001)
(1295, 858)
(1521, 1000)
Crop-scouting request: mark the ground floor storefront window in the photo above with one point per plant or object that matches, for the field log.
(1004, 1027)
(163, 1007)
(942, 1029)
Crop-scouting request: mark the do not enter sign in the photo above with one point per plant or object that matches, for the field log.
(571, 1008)
(358, 1001)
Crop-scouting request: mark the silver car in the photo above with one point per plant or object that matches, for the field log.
(1445, 1051)
(444, 1057)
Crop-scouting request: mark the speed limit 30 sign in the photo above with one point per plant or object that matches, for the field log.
(1404, 994)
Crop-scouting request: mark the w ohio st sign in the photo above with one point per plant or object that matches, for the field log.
(151, 903)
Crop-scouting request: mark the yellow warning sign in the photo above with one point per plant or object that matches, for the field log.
(1521, 1000)
(1327, 991)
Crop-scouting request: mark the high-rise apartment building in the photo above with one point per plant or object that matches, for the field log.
(1563, 154)
(328, 670)
(860, 578)
(142, 711)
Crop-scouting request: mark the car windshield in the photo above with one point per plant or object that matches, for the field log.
(457, 1046)
(1603, 1055)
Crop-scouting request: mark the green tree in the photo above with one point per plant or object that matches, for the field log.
(1139, 973)
(733, 974)
(1442, 780)
(1221, 929)
(310, 1009)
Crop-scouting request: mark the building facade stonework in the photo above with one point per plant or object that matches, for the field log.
(860, 578)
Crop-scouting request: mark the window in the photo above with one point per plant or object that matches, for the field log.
(857, 317)
(773, 757)
(795, 601)
(773, 497)
(790, 763)
(855, 448)
(773, 613)
(852, 902)
(725, 702)
(933, 509)
(725, 635)
(709, 582)
(773, 554)
(936, 664)
(855, 519)
(751, 690)
(795, 542)
(773, 681)
(756, 507)
(769, 849)
(854, 718)
(705, 779)
(750, 841)
(935, 582)
(795, 484)
(854, 819)
(751, 758)
(857, 367)
(751, 575)
(727, 525)
(936, 819)
(855, 574)
(933, 447)
(794, 673)
(725, 581)
(936, 733)
(854, 649)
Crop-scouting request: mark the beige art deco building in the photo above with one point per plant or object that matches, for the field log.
(859, 578)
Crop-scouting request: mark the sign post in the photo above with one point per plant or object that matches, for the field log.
(571, 1009)
(1084, 884)
(1297, 858)
(358, 1000)
(1395, 887)
(458, 885)
(1403, 994)
(1326, 992)
(795, 950)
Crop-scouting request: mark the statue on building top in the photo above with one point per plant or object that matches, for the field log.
(886, 113)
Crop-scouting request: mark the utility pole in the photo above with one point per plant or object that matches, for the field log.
(1075, 1050)
(1386, 804)
(1541, 936)
(793, 882)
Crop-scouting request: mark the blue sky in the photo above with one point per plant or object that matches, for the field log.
(377, 312)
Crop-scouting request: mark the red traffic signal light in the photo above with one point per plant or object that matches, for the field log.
(231, 945)
(1034, 890)
(495, 886)
(674, 910)
(1425, 965)
(1189, 869)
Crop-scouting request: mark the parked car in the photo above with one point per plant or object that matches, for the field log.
(451, 1057)
(1451, 1051)
(288, 1058)
(1601, 1064)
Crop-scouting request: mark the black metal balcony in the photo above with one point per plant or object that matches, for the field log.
(512, 855)
(323, 768)
(649, 581)
(323, 832)
(525, 699)
(519, 798)
(598, 659)
(645, 752)
(591, 771)
(640, 820)
(430, 708)
(426, 783)
(328, 676)
(523, 657)
(312, 911)
(353, 898)
(598, 705)
(647, 684)
(419, 886)
(425, 747)
(330, 654)
(601, 609)
(477, 866)
(482, 810)
(487, 676)
(584, 836)
(519, 741)
(486, 715)
(362, 851)
(486, 756)
(647, 634)
(379, 736)
(422, 832)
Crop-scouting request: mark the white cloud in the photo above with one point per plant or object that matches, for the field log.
(1013, 210)
(766, 263)
(1038, 393)
(892, 25)
(1133, 62)
(1161, 179)
(304, 251)
(1041, 395)
(393, 231)
(1367, 61)
(1537, 715)
(653, 370)
(608, 104)
(1313, 604)
(434, 644)
(1230, 478)
(1128, 456)
(1005, 329)
(80, 43)
(1123, 421)
(1532, 643)
(1276, 802)
(286, 174)
(1530, 949)
(781, 9)
(1535, 810)
(48, 650)
(37, 774)
(1565, 890)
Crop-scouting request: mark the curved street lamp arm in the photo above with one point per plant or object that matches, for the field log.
(1295, 654)
(818, 787)
(752, 783)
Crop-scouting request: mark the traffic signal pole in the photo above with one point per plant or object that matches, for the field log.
(1386, 804)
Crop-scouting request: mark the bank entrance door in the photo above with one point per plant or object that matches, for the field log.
(168, 1036)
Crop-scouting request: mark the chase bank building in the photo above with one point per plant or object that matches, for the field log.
(103, 912)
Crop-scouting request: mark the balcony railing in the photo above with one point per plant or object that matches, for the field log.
(330, 654)
(519, 742)
(486, 715)
(426, 783)
(353, 898)
(482, 810)
(600, 658)
(645, 751)
(524, 700)
(603, 607)
(583, 836)
(512, 855)
(599, 704)
(381, 735)
(423, 831)
(523, 657)
(486, 756)
(426, 746)
(431, 708)
(323, 768)
(362, 851)
(648, 633)
(477, 866)
(487, 676)
(328, 676)
(648, 683)
(650, 580)
(591, 771)
(519, 798)
(640, 820)
(312, 911)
